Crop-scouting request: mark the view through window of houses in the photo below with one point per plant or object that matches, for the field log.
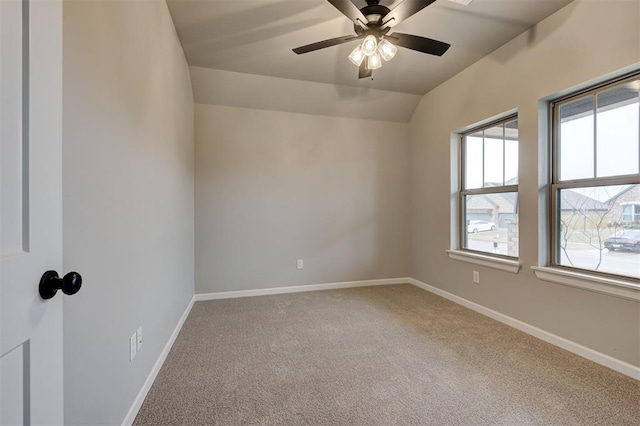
(596, 180)
(489, 195)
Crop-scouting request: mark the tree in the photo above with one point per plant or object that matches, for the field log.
(585, 220)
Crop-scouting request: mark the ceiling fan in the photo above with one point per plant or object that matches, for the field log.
(373, 23)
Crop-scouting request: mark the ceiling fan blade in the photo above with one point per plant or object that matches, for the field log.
(349, 10)
(324, 43)
(363, 72)
(403, 11)
(420, 44)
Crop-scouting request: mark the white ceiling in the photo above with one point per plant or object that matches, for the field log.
(256, 37)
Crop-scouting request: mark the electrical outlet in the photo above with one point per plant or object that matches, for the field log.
(133, 346)
(476, 277)
(300, 264)
(139, 341)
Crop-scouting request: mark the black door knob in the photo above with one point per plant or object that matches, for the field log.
(50, 283)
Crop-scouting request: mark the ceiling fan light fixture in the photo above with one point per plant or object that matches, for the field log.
(372, 23)
(369, 45)
(387, 50)
(357, 56)
(374, 61)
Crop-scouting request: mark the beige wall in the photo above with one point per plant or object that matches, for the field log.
(128, 198)
(273, 187)
(582, 42)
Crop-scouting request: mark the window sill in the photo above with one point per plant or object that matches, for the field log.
(507, 265)
(610, 286)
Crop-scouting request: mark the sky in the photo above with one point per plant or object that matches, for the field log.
(616, 151)
(496, 154)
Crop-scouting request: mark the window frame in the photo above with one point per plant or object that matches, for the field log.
(464, 192)
(556, 184)
(634, 207)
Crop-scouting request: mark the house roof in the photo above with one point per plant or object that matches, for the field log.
(625, 190)
(572, 200)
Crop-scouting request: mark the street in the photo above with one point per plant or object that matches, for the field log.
(618, 262)
(615, 262)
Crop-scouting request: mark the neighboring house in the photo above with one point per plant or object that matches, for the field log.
(582, 212)
(497, 208)
(621, 209)
(573, 202)
(626, 206)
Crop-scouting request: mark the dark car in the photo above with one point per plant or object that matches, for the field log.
(625, 240)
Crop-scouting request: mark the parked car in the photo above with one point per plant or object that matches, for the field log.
(624, 240)
(480, 225)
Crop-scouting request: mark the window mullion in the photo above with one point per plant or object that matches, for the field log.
(462, 237)
(595, 135)
(483, 132)
(504, 156)
(584, 183)
(491, 190)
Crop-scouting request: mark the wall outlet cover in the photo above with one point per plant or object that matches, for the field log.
(139, 338)
(133, 346)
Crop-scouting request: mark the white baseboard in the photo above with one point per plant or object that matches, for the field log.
(299, 288)
(590, 354)
(137, 403)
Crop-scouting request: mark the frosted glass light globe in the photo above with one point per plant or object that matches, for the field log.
(357, 56)
(387, 50)
(369, 45)
(374, 62)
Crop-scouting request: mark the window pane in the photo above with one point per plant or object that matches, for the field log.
(511, 153)
(473, 161)
(596, 230)
(491, 222)
(576, 139)
(494, 156)
(617, 131)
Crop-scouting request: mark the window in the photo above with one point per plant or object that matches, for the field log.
(489, 188)
(595, 182)
(630, 212)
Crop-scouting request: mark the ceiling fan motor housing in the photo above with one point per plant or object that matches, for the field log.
(375, 14)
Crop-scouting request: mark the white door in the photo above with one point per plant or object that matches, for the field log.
(30, 210)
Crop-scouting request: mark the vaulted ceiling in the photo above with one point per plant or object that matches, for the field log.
(240, 52)
(256, 37)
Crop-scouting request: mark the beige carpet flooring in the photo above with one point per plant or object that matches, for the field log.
(388, 355)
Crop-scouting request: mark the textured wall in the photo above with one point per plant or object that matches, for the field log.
(128, 198)
(273, 187)
(581, 42)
